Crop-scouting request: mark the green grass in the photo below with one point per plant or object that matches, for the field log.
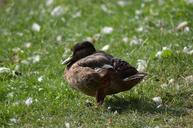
(55, 103)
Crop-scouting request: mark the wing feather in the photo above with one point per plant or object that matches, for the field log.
(105, 61)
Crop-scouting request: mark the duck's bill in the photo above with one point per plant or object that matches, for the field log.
(136, 76)
(66, 61)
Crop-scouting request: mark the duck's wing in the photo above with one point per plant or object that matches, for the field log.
(103, 61)
(123, 68)
(96, 60)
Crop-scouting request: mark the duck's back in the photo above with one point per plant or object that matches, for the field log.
(99, 59)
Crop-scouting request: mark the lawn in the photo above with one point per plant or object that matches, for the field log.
(153, 35)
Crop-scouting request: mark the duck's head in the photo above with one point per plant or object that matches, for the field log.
(80, 50)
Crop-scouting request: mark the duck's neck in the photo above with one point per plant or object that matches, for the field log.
(70, 64)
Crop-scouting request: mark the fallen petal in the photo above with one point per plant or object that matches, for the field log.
(29, 101)
(105, 48)
(158, 54)
(49, 2)
(57, 11)
(186, 29)
(59, 38)
(141, 65)
(13, 120)
(4, 70)
(107, 30)
(77, 14)
(164, 85)
(171, 81)
(125, 39)
(122, 3)
(182, 25)
(188, 50)
(40, 79)
(136, 41)
(27, 45)
(36, 27)
(189, 79)
(67, 125)
(157, 100)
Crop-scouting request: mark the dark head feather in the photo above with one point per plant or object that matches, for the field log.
(81, 50)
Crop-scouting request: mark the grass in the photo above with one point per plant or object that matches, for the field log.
(55, 103)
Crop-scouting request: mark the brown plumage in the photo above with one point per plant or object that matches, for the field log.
(97, 73)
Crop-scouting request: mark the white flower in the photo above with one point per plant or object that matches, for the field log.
(158, 54)
(105, 9)
(59, 38)
(40, 89)
(77, 14)
(159, 106)
(10, 95)
(138, 12)
(36, 27)
(141, 65)
(161, 2)
(49, 2)
(182, 25)
(177, 87)
(186, 29)
(17, 67)
(165, 48)
(29, 101)
(157, 100)
(164, 85)
(107, 30)
(189, 79)
(125, 39)
(97, 36)
(88, 103)
(19, 33)
(13, 120)
(90, 39)
(16, 50)
(157, 126)
(57, 11)
(27, 45)
(171, 81)
(140, 29)
(105, 48)
(16, 103)
(67, 125)
(109, 107)
(4, 70)
(188, 50)
(35, 58)
(191, 52)
(40, 79)
(121, 3)
(189, 1)
(25, 62)
(115, 112)
(136, 41)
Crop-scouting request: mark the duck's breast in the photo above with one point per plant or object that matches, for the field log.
(84, 79)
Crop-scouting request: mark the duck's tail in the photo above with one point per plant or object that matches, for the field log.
(134, 80)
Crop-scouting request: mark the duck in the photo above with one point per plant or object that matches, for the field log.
(97, 73)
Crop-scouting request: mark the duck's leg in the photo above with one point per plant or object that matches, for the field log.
(100, 96)
(105, 82)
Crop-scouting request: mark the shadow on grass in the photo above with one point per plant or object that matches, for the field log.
(143, 106)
